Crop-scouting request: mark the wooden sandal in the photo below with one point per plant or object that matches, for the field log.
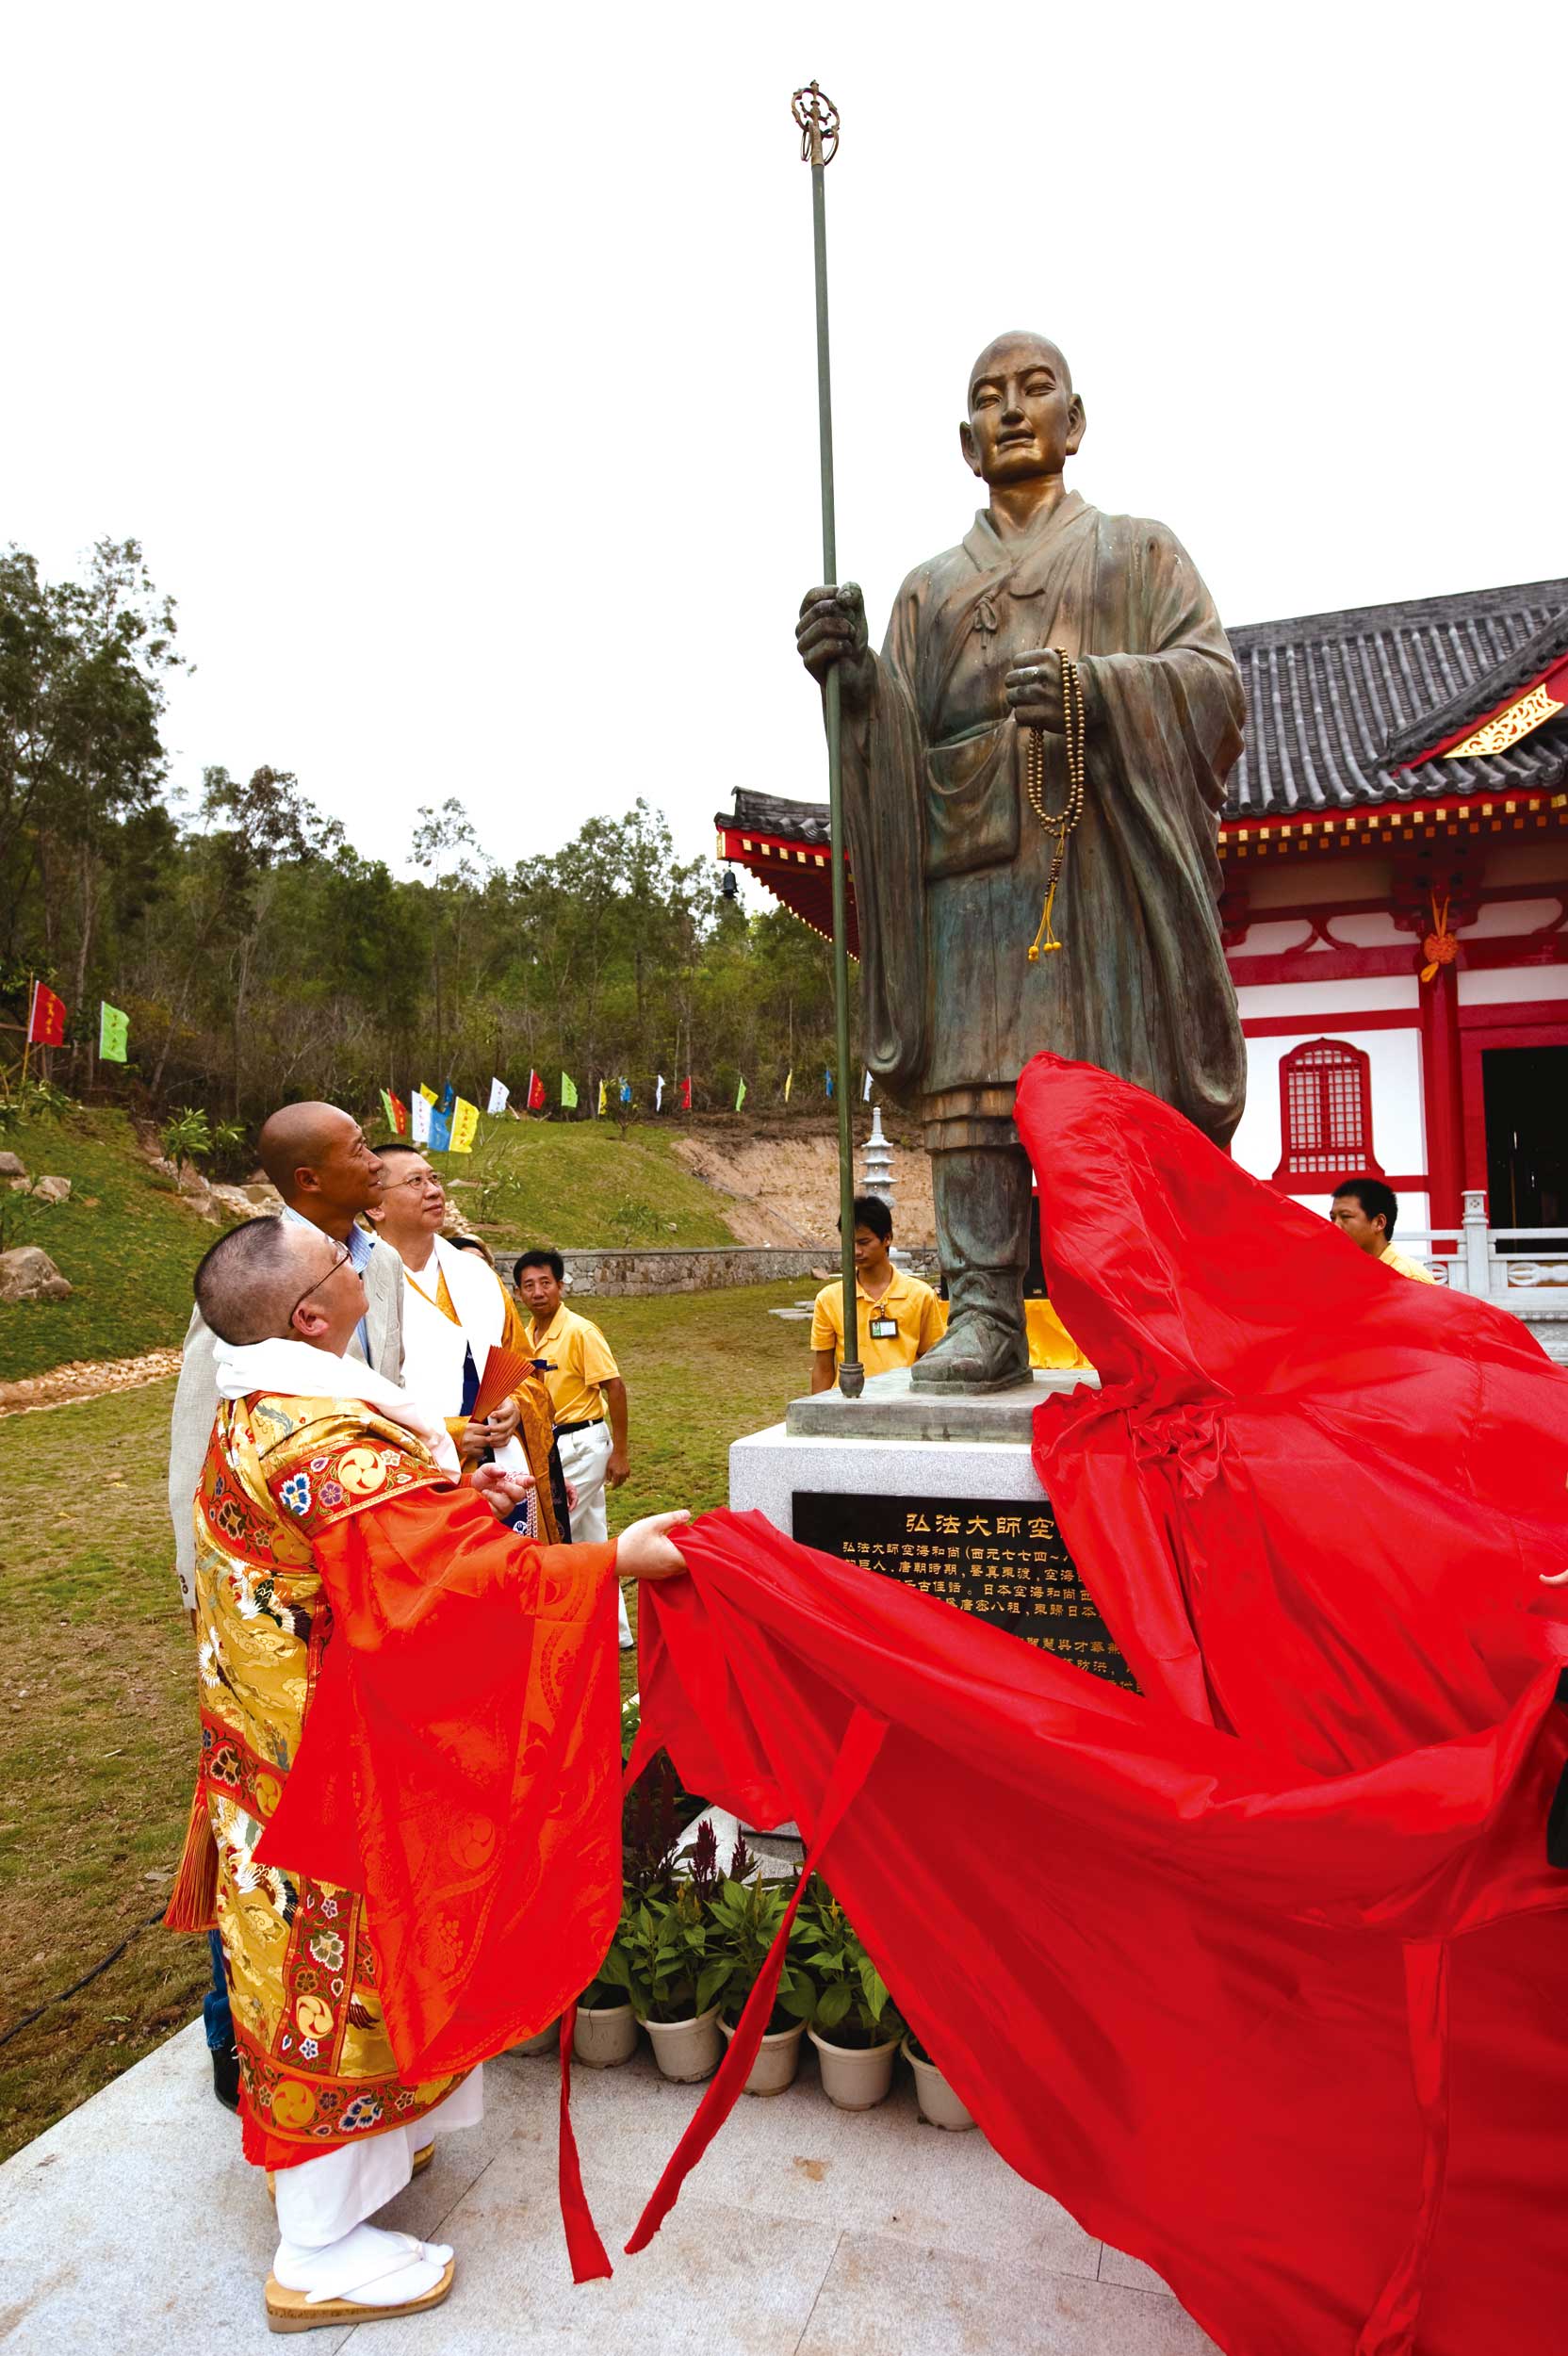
(292, 2311)
(422, 2159)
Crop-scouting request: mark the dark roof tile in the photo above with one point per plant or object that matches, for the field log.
(1337, 702)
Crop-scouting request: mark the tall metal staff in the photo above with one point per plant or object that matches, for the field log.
(818, 118)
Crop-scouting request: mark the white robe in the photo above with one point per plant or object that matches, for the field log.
(435, 1348)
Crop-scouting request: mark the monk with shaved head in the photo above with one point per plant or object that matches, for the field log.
(406, 1827)
(317, 1157)
(1034, 768)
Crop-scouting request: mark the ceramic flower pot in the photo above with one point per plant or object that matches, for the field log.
(687, 2050)
(856, 2077)
(605, 2036)
(937, 2101)
(548, 2041)
(778, 2058)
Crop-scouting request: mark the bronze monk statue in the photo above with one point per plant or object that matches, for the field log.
(951, 852)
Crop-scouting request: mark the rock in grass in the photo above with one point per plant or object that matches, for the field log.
(51, 1190)
(12, 1165)
(28, 1274)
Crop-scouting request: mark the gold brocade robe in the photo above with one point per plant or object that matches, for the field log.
(316, 2063)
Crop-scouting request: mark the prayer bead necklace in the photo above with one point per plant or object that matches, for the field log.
(1057, 824)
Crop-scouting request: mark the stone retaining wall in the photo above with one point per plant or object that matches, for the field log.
(609, 1275)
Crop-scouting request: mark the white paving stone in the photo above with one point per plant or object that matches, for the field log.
(133, 2228)
(883, 2298)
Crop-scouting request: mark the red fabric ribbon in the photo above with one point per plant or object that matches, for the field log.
(1207, 1963)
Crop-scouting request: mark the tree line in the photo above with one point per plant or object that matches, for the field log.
(261, 957)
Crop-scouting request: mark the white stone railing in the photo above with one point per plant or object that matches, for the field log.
(1531, 1268)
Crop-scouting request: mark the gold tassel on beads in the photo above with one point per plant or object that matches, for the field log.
(1057, 824)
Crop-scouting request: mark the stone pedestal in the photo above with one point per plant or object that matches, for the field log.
(941, 1494)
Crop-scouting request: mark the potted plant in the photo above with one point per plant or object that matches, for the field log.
(544, 2040)
(605, 2032)
(743, 1917)
(659, 1958)
(854, 2024)
(937, 2100)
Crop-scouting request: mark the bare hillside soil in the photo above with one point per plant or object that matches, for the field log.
(780, 1181)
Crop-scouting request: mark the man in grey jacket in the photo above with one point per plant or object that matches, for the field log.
(317, 1157)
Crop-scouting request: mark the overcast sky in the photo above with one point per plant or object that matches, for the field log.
(454, 366)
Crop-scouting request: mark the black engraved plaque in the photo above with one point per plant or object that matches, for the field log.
(1004, 1563)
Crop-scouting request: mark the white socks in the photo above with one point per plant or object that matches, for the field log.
(372, 2267)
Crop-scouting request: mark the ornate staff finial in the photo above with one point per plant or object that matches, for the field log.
(818, 118)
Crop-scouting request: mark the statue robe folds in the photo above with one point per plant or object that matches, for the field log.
(951, 863)
(406, 1825)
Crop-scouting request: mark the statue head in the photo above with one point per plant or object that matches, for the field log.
(1025, 418)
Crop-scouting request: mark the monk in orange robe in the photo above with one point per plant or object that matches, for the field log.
(407, 1822)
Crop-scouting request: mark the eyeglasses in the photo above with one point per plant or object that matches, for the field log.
(426, 1180)
(343, 1254)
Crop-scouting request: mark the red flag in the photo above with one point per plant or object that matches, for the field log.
(535, 1093)
(45, 1018)
(396, 1111)
(686, 1094)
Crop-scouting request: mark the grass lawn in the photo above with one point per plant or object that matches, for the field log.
(127, 1244)
(580, 1184)
(98, 1728)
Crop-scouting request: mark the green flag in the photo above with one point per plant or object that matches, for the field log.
(113, 1031)
(740, 1096)
(568, 1092)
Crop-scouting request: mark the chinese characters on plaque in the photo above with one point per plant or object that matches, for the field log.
(1005, 1563)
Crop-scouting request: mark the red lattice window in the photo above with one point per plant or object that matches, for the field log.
(1326, 1113)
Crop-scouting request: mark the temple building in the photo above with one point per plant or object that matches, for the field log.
(1394, 846)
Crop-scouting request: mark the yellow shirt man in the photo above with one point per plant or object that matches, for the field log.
(581, 1362)
(894, 1331)
(1365, 1210)
(1401, 1267)
(587, 1396)
(899, 1318)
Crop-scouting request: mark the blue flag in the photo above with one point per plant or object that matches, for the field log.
(441, 1131)
(827, 1083)
(448, 1098)
(626, 1091)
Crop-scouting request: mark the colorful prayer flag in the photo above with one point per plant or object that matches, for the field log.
(45, 1018)
(626, 1091)
(827, 1083)
(535, 1093)
(448, 1098)
(499, 1096)
(686, 1093)
(740, 1096)
(659, 1094)
(464, 1123)
(397, 1112)
(568, 1092)
(419, 1114)
(789, 1082)
(865, 1089)
(604, 1101)
(113, 1033)
(441, 1129)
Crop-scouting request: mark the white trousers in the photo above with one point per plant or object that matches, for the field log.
(585, 1460)
(323, 2199)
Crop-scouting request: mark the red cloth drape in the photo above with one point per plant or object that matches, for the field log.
(1261, 1973)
